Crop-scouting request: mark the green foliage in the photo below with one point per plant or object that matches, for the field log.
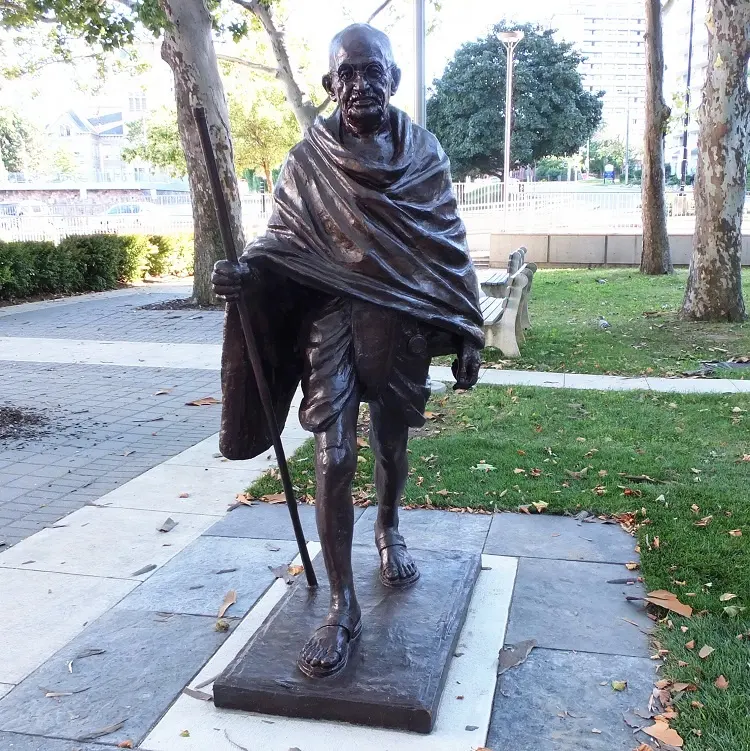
(173, 255)
(157, 142)
(101, 24)
(607, 151)
(31, 268)
(551, 168)
(82, 263)
(18, 141)
(263, 129)
(552, 112)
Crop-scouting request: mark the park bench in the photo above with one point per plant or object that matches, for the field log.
(506, 306)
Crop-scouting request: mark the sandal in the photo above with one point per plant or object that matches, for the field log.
(318, 671)
(391, 539)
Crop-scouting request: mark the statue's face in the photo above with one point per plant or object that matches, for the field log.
(361, 81)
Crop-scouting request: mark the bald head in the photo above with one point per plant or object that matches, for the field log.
(361, 78)
(359, 39)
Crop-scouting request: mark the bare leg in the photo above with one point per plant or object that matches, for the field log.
(335, 465)
(388, 438)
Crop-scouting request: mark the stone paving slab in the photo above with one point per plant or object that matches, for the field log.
(18, 742)
(109, 542)
(264, 521)
(471, 676)
(148, 659)
(176, 489)
(41, 612)
(432, 530)
(558, 537)
(196, 581)
(568, 605)
(108, 425)
(555, 700)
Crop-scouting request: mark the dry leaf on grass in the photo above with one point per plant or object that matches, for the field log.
(721, 683)
(704, 522)
(690, 644)
(540, 506)
(735, 532)
(669, 601)
(706, 652)
(664, 734)
(229, 599)
(206, 401)
(727, 596)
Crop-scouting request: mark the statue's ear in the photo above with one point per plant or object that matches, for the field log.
(395, 78)
(328, 86)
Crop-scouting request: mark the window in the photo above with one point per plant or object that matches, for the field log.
(137, 102)
(65, 130)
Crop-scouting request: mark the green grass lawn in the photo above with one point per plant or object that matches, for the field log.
(496, 449)
(645, 337)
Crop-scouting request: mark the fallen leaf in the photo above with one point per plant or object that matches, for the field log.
(101, 732)
(163, 392)
(296, 570)
(664, 734)
(619, 685)
(690, 645)
(144, 570)
(185, 734)
(733, 610)
(721, 683)
(645, 747)
(273, 498)
(540, 506)
(695, 704)
(168, 525)
(206, 401)
(669, 601)
(202, 695)
(519, 471)
(632, 566)
(705, 651)
(362, 443)
(704, 522)
(735, 532)
(229, 599)
(726, 597)
(184, 495)
(125, 744)
(513, 655)
(221, 626)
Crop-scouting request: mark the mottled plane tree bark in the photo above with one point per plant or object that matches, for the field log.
(656, 257)
(189, 51)
(714, 289)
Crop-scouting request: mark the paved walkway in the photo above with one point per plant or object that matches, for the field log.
(106, 620)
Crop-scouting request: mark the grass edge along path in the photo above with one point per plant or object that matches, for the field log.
(564, 451)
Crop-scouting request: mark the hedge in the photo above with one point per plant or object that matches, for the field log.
(89, 263)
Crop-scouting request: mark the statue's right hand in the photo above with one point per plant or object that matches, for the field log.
(228, 278)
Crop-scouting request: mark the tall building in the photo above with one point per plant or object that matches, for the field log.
(609, 35)
(676, 54)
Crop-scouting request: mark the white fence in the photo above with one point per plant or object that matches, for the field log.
(532, 207)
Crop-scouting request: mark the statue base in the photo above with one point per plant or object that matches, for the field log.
(396, 669)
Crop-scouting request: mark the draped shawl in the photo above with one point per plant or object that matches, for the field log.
(388, 234)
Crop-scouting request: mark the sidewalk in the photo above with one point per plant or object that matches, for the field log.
(107, 619)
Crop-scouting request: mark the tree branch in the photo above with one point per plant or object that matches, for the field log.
(379, 10)
(248, 64)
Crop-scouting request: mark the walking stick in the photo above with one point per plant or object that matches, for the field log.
(222, 214)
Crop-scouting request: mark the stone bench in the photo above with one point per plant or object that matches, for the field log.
(505, 307)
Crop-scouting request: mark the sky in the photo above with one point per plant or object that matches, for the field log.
(316, 21)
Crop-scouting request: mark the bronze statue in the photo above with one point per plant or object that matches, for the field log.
(362, 276)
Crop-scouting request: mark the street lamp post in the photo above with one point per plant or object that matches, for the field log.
(420, 30)
(510, 39)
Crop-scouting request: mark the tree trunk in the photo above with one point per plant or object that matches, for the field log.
(714, 289)
(269, 177)
(656, 258)
(189, 51)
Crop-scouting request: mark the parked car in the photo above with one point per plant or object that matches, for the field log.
(124, 216)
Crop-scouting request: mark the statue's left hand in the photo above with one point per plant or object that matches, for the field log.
(466, 368)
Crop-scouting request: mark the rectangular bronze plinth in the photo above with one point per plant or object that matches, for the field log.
(397, 668)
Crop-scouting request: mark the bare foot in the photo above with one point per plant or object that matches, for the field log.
(397, 567)
(327, 650)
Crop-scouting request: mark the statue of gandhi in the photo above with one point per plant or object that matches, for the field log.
(362, 276)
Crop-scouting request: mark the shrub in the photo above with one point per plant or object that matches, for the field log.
(30, 267)
(99, 259)
(136, 254)
(173, 256)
